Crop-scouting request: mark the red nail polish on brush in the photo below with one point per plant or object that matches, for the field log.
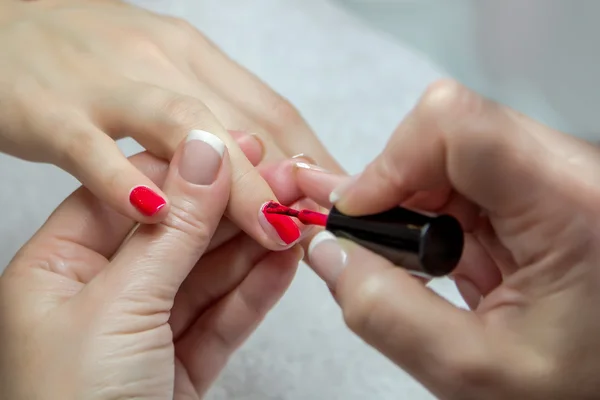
(284, 227)
(424, 245)
(146, 200)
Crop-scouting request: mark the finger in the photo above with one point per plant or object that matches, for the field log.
(96, 160)
(251, 145)
(213, 276)
(454, 138)
(260, 103)
(216, 273)
(84, 224)
(316, 182)
(156, 259)
(159, 119)
(206, 346)
(400, 317)
(477, 274)
(254, 150)
(87, 221)
(83, 221)
(280, 178)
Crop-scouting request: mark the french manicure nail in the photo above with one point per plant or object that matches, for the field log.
(341, 189)
(251, 144)
(310, 167)
(146, 200)
(202, 157)
(327, 258)
(303, 156)
(280, 228)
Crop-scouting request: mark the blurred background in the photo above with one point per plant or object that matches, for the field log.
(354, 69)
(538, 56)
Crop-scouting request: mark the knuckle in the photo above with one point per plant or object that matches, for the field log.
(179, 33)
(188, 225)
(78, 146)
(360, 313)
(447, 100)
(244, 180)
(182, 27)
(75, 149)
(139, 46)
(282, 113)
(186, 112)
(75, 141)
(388, 168)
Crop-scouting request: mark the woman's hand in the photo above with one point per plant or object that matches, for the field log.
(528, 198)
(86, 316)
(77, 75)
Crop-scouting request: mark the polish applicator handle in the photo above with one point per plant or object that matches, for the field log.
(427, 246)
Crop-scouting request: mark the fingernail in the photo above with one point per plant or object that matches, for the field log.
(146, 200)
(326, 257)
(305, 157)
(468, 291)
(341, 189)
(251, 144)
(281, 228)
(202, 157)
(310, 167)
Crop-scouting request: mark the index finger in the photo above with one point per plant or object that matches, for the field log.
(457, 140)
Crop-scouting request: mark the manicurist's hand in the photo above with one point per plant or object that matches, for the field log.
(77, 75)
(528, 199)
(88, 312)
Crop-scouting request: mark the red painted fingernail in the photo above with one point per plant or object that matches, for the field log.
(146, 200)
(280, 227)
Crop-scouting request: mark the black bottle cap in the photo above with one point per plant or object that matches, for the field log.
(426, 245)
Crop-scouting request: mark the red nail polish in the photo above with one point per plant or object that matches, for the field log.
(285, 226)
(146, 201)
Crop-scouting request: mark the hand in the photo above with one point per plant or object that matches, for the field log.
(528, 199)
(154, 322)
(97, 71)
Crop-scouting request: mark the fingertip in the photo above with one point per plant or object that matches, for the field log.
(251, 145)
(147, 204)
(365, 193)
(327, 258)
(318, 183)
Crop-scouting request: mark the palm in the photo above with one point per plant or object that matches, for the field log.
(146, 344)
(216, 308)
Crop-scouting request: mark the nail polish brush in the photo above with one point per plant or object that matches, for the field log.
(429, 246)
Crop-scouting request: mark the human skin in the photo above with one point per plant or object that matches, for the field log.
(527, 197)
(77, 75)
(94, 308)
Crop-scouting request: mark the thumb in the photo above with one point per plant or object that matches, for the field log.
(455, 139)
(395, 313)
(157, 258)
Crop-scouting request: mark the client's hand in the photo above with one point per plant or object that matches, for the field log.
(86, 316)
(77, 75)
(529, 199)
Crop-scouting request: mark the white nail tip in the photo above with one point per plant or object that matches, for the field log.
(303, 165)
(318, 239)
(208, 138)
(310, 167)
(333, 197)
